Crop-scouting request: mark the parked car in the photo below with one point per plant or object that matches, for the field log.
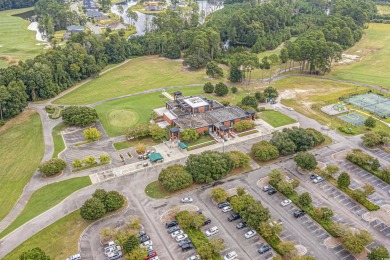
(211, 231)
(111, 249)
(226, 209)
(318, 179)
(171, 224)
(185, 241)
(177, 233)
(74, 257)
(223, 204)
(263, 249)
(207, 221)
(285, 203)
(152, 254)
(241, 225)
(299, 213)
(155, 258)
(187, 247)
(199, 211)
(230, 256)
(143, 239)
(313, 176)
(109, 244)
(267, 188)
(186, 200)
(181, 237)
(194, 257)
(114, 255)
(147, 243)
(290, 109)
(250, 233)
(173, 229)
(233, 217)
(272, 192)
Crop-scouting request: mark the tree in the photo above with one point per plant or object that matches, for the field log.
(250, 101)
(205, 251)
(140, 148)
(113, 201)
(89, 161)
(235, 74)
(77, 163)
(234, 89)
(221, 89)
(276, 175)
(378, 253)
(79, 115)
(100, 194)
(285, 187)
(282, 141)
(240, 191)
(208, 87)
(244, 125)
(153, 115)
(52, 166)
(131, 243)
(370, 122)
(133, 16)
(304, 199)
(34, 254)
(190, 219)
(92, 134)
(189, 135)
(306, 161)
(238, 158)
(268, 230)
(208, 166)
(260, 96)
(92, 209)
(217, 245)
(156, 132)
(104, 159)
(355, 242)
(175, 177)
(213, 70)
(324, 214)
(240, 203)
(138, 253)
(264, 151)
(343, 181)
(4, 96)
(368, 189)
(330, 170)
(255, 213)
(371, 139)
(271, 92)
(219, 194)
(286, 248)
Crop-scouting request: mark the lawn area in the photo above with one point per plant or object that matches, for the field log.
(59, 240)
(16, 41)
(383, 9)
(41, 202)
(155, 190)
(21, 151)
(307, 95)
(137, 75)
(374, 48)
(132, 143)
(202, 139)
(59, 144)
(275, 118)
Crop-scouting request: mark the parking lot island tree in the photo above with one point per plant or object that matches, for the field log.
(113, 201)
(356, 241)
(138, 253)
(92, 209)
(92, 134)
(190, 219)
(219, 194)
(286, 248)
(131, 243)
(79, 116)
(268, 231)
(175, 177)
(104, 159)
(240, 203)
(343, 181)
(140, 148)
(52, 166)
(378, 253)
(282, 141)
(239, 159)
(305, 199)
(264, 151)
(306, 161)
(208, 166)
(34, 254)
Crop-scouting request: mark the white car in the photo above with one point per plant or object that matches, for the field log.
(186, 200)
(290, 109)
(74, 257)
(111, 249)
(250, 233)
(212, 231)
(181, 237)
(226, 209)
(177, 233)
(147, 243)
(318, 179)
(230, 256)
(194, 257)
(155, 258)
(284, 203)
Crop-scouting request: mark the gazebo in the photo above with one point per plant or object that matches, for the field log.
(155, 157)
(182, 145)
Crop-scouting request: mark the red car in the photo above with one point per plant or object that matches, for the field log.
(151, 255)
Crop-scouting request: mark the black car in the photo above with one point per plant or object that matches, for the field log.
(199, 212)
(143, 239)
(299, 213)
(173, 229)
(223, 204)
(234, 217)
(141, 233)
(313, 176)
(241, 225)
(207, 221)
(264, 249)
(272, 192)
(187, 247)
(171, 224)
(185, 241)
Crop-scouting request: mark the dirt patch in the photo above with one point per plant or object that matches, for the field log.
(348, 59)
(20, 119)
(292, 93)
(332, 242)
(340, 156)
(169, 215)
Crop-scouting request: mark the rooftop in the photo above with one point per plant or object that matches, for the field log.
(196, 102)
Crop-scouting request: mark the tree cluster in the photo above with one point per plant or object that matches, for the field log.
(190, 219)
(175, 177)
(363, 160)
(34, 254)
(244, 125)
(79, 116)
(100, 203)
(239, 159)
(16, 4)
(264, 151)
(52, 166)
(145, 130)
(373, 139)
(306, 161)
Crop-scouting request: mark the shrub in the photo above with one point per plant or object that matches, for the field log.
(343, 181)
(208, 87)
(346, 130)
(219, 194)
(2, 122)
(92, 134)
(378, 253)
(234, 90)
(238, 158)
(100, 194)
(92, 209)
(89, 161)
(140, 148)
(189, 135)
(104, 159)
(244, 125)
(363, 160)
(52, 166)
(175, 177)
(250, 101)
(225, 103)
(221, 89)
(113, 201)
(264, 151)
(79, 115)
(370, 122)
(306, 161)
(131, 243)
(77, 163)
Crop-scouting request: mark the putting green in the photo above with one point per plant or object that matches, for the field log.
(122, 118)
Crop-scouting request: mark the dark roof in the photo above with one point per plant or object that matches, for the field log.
(251, 112)
(94, 14)
(174, 130)
(223, 127)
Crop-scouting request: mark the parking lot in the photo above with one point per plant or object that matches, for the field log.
(381, 154)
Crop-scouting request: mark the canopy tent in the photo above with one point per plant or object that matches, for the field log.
(182, 145)
(155, 157)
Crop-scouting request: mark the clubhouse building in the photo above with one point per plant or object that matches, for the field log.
(202, 114)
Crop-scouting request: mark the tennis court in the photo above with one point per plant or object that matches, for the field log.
(371, 102)
(353, 119)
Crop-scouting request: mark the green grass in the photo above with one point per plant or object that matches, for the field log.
(275, 118)
(375, 65)
(383, 9)
(155, 190)
(16, 41)
(200, 145)
(59, 240)
(132, 143)
(137, 75)
(248, 132)
(46, 198)
(59, 144)
(21, 151)
(200, 140)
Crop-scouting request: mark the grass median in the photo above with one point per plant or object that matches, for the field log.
(59, 144)
(275, 118)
